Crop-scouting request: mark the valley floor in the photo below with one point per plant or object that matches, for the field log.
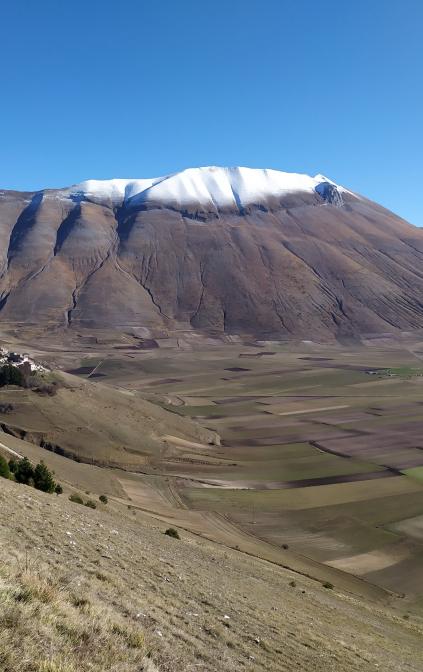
(317, 481)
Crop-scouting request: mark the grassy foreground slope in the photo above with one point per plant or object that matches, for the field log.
(96, 590)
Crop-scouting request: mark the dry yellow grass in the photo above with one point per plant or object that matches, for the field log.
(105, 590)
(51, 623)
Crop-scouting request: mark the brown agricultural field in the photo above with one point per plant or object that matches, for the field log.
(316, 446)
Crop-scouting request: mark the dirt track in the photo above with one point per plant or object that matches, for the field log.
(10, 451)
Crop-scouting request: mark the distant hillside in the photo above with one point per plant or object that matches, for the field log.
(94, 423)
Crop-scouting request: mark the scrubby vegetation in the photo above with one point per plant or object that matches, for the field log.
(103, 499)
(77, 499)
(41, 386)
(90, 504)
(4, 468)
(6, 408)
(22, 471)
(11, 375)
(171, 532)
(22, 376)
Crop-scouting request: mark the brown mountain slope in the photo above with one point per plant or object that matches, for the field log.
(295, 265)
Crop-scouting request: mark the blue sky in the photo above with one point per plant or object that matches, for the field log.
(100, 89)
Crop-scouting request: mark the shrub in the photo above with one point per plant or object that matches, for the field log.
(13, 465)
(90, 504)
(103, 499)
(24, 472)
(4, 468)
(293, 584)
(101, 577)
(328, 584)
(171, 532)
(43, 388)
(6, 408)
(80, 602)
(135, 639)
(76, 498)
(11, 375)
(42, 384)
(43, 478)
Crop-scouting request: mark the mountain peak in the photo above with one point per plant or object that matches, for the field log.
(219, 186)
(182, 252)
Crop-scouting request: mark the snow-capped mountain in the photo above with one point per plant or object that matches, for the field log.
(208, 186)
(234, 250)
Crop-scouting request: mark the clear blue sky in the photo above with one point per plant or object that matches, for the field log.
(100, 89)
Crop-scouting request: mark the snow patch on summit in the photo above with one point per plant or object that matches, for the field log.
(115, 190)
(209, 186)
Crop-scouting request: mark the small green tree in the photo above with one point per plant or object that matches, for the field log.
(103, 499)
(13, 465)
(11, 375)
(4, 468)
(43, 478)
(58, 489)
(24, 472)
